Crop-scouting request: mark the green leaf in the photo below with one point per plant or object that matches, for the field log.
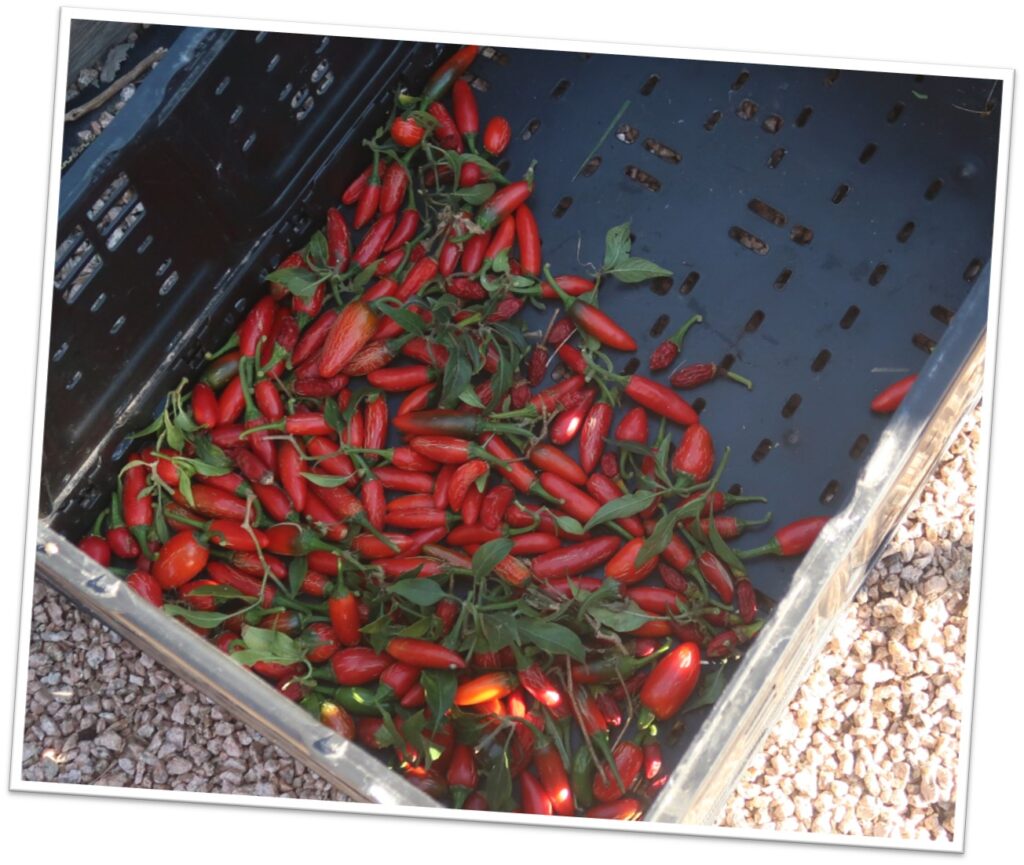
(273, 645)
(489, 170)
(569, 525)
(616, 246)
(316, 249)
(183, 422)
(487, 557)
(500, 263)
(199, 618)
(332, 415)
(328, 482)
(711, 688)
(364, 276)
(404, 318)
(201, 467)
(185, 486)
(657, 540)
(469, 397)
(221, 592)
(457, 376)
(477, 194)
(296, 280)
(633, 270)
(175, 437)
(211, 455)
(498, 630)
(622, 620)
(919, 95)
(163, 533)
(439, 689)
(723, 550)
(624, 506)
(424, 593)
(298, 567)
(157, 424)
(498, 786)
(420, 628)
(551, 637)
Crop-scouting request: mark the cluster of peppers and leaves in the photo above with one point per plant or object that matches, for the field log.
(436, 599)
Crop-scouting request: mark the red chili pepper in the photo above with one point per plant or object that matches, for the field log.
(204, 406)
(338, 719)
(622, 566)
(657, 600)
(343, 610)
(622, 809)
(534, 798)
(668, 351)
(671, 682)
(794, 539)
(554, 780)
(497, 135)
(548, 458)
(633, 426)
(446, 131)
(406, 131)
(467, 117)
(529, 241)
(595, 428)
(463, 478)
(424, 654)
(504, 202)
(216, 503)
(257, 325)
(889, 399)
(575, 559)
(372, 244)
(290, 467)
(503, 238)
(629, 760)
(394, 182)
(250, 586)
(146, 585)
(358, 665)
(461, 775)
(697, 374)
(471, 504)
(602, 488)
(576, 503)
(448, 73)
(339, 240)
(599, 325)
(495, 504)
(489, 686)
(356, 187)
(695, 455)
(404, 231)
(352, 329)
(369, 199)
(574, 286)
(660, 400)
(717, 575)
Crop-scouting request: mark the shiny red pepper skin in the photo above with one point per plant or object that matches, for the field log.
(313, 338)
(352, 329)
(406, 131)
(369, 201)
(503, 202)
(445, 76)
(358, 665)
(600, 325)
(342, 609)
(497, 135)
(146, 585)
(605, 490)
(629, 760)
(393, 186)
(339, 241)
(534, 798)
(446, 131)
(889, 399)
(503, 238)
(569, 422)
(462, 481)
(355, 189)
(473, 252)
(621, 809)
(372, 244)
(488, 686)
(716, 574)
(204, 406)
(672, 681)
(467, 116)
(622, 567)
(575, 559)
(592, 436)
(528, 236)
(495, 503)
(550, 459)
(404, 231)
(574, 286)
(250, 586)
(695, 455)
(339, 465)
(660, 400)
(424, 654)
(576, 503)
(633, 426)
(257, 325)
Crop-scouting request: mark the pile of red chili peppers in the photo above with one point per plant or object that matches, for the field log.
(436, 598)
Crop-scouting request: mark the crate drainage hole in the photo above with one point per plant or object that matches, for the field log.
(903, 235)
(531, 129)
(849, 317)
(972, 270)
(803, 117)
(772, 124)
(661, 285)
(746, 239)
(934, 188)
(736, 490)
(792, 404)
(627, 134)
(841, 190)
(662, 151)
(829, 493)
(895, 112)
(924, 342)
(76, 377)
(776, 156)
(563, 205)
(592, 165)
(859, 445)
(941, 313)
(632, 365)
(648, 86)
(60, 352)
(727, 362)
(643, 178)
(761, 451)
(801, 234)
(689, 283)
(660, 323)
(117, 325)
(821, 360)
(698, 404)
(754, 322)
(746, 110)
(832, 77)
(878, 274)
(741, 79)
(766, 212)
(560, 88)
(168, 284)
(224, 82)
(869, 151)
(712, 120)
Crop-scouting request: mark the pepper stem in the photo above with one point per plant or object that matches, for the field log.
(746, 382)
(677, 338)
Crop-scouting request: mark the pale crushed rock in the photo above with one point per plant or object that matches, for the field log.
(101, 712)
(869, 744)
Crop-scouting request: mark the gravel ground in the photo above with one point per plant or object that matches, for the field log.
(868, 747)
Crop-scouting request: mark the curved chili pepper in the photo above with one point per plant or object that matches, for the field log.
(668, 351)
(404, 231)
(495, 504)
(717, 575)
(467, 116)
(448, 73)
(622, 809)
(338, 719)
(633, 426)
(528, 236)
(503, 202)
(592, 436)
(659, 399)
(369, 199)
(696, 374)
(791, 540)
(549, 458)
(575, 559)
(461, 775)
(488, 686)
(463, 478)
(355, 189)
(250, 586)
(889, 399)
(313, 338)
(605, 490)
(204, 406)
(534, 798)
(372, 244)
(393, 186)
(146, 585)
(352, 329)
(446, 131)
